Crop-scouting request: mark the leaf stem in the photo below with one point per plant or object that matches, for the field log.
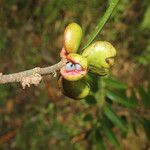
(102, 21)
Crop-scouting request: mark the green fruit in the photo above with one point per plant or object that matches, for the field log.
(74, 89)
(74, 73)
(72, 37)
(100, 56)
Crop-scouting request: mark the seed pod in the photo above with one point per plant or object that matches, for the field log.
(100, 56)
(76, 67)
(72, 37)
(74, 89)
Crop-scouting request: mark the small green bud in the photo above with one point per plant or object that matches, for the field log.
(72, 37)
(74, 89)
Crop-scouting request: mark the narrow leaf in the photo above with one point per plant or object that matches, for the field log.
(114, 118)
(115, 84)
(102, 21)
(99, 141)
(146, 20)
(145, 97)
(146, 125)
(119, 99)
(110, 135)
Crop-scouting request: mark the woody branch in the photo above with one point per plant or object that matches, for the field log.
(32, 76)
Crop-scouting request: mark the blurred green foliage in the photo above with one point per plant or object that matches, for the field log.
(114, 116)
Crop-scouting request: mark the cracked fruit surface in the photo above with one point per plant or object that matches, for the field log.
(75, 68)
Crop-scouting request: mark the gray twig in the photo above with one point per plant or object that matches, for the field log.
(32, 76)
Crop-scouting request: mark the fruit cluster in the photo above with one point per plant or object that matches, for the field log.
(97, 59)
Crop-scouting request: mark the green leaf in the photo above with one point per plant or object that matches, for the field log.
(88, 117)
(102, 21)
(146, 20)
(99, 141)
(146, 125)
(149, 86)
(119, 99)
(114, 118)
(114, 83)
(145, 97)
(91, 100)
(109, 134)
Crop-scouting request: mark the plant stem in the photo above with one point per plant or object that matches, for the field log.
(32, 76)
(102, 21)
